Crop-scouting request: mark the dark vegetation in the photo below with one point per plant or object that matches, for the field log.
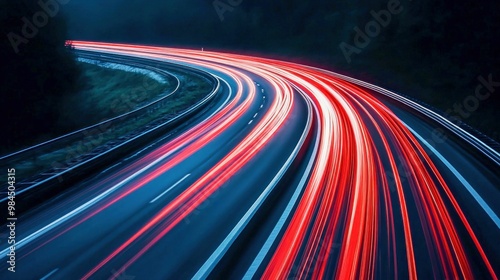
(432, 50)
(193, 88)
(46, 92)
(35, 78)
(107, 93)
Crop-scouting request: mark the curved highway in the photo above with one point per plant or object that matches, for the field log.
(293, 173)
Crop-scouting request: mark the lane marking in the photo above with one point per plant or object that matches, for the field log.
(255, 115)
(225, 101)
(90, 203)
(459, 176)
(153, 144)
(50, 274)
(114, 165)
(250, 122)
(169, 189)
(466, 136)
(257, 262)
(217, 255)
(84, 206)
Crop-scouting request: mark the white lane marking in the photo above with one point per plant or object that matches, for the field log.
(262, 90)
(284, 217)
(262, 105)
(225, 101)
(212, 261)
(50, 274)
(96, 199)
(169, 189)
(255, 115)
(84, 206)
(250, 122)
(142, 150)
(114, 165)
(459, 176)
(154, 143)
(429, 113)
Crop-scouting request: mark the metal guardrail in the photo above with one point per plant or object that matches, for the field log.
(88, 130)
(105, 153)
(460, 129)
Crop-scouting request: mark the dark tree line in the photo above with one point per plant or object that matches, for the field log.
(432, 50)
(36, 70)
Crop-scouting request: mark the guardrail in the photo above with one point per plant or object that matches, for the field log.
(72, 136)
(36, 189)
(88, 130)
(467, 136)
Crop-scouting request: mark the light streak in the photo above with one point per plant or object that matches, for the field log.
(348, 198)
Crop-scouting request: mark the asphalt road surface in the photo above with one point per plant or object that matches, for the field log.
(293, 173)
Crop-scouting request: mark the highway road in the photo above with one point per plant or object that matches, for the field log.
(293, 173)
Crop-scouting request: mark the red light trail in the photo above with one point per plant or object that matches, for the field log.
(351, 221)
(347, 192)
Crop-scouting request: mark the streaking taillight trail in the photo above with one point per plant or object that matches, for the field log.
(358, 217)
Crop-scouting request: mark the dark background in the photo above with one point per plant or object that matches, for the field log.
(433, 50)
